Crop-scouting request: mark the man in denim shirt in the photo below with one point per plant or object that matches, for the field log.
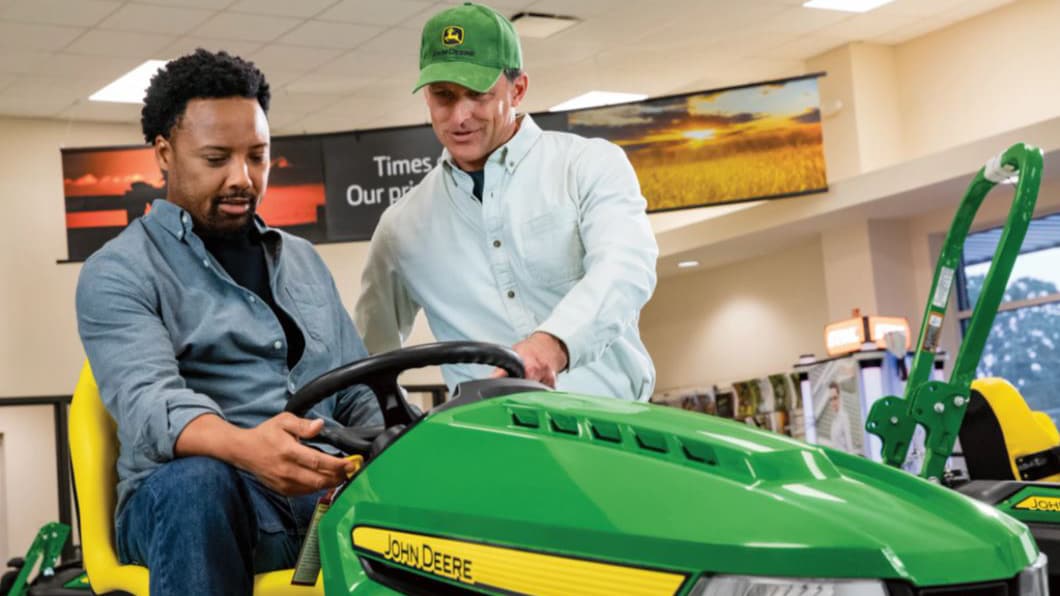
(518, 236)
(199, 322)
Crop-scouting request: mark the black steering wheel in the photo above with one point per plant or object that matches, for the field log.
(380, 372)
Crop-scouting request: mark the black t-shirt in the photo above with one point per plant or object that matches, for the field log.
(478, 180)
(243, 257)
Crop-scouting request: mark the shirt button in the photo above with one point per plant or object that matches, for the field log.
(252, 299)
(206, 262)
(184, 218)
(290, 385)
(511, 294)
(277, 344)
(496, 244)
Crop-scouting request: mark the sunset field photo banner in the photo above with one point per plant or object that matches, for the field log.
(746, 143)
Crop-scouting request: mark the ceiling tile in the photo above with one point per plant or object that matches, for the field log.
(279, 119)
(279, 78)
(544, 52)
(709, 22)
(805, 47)
(14, 103)
(188, 45)
(84, 13)
(119, 44)
(800, 20)
(416, 21)
(20, 61)
(868, 26)
(318, 34)
(374, 66)
(102, 112)
(146, 18)
(74, 65)
(294, 58)
(328, 83)
(301, 102)
(76, 87)
(244, 27)
(211, 4)
(574, 8)
(753, 70)
(396, 39)
(970, 8)
(365, 109)
(24, 36)
(510, 7)
(400, 117)
(321, 123)
(370, 12)
(917, 8)
(285, 8)
(923, 26)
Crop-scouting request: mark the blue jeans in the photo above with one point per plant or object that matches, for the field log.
(202, 526)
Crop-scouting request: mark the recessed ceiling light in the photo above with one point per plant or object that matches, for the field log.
(593, 99)
(130, 87)
(688, 264)
(539, 25)
(847, 5)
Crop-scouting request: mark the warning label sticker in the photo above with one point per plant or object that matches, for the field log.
(933, 332)
(942, 290)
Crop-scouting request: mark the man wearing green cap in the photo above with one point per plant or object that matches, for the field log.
(518, 236)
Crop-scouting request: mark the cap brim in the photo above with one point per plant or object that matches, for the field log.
(474, 77)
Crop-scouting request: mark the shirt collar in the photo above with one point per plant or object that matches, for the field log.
(178, 222)
(510, 154)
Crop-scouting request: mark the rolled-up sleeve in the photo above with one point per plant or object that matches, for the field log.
(133, 360)
(620, 256)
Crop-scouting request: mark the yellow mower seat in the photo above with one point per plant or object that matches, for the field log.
(1003, 439)
(94, 452)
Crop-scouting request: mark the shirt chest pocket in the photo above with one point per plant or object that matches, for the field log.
(552, 249)
(314, 311)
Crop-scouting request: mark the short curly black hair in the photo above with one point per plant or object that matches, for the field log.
(201, 75)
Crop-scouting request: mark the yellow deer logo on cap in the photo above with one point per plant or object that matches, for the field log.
(452, 35)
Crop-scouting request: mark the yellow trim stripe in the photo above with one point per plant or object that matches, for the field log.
(510, 569)
(1034, 503)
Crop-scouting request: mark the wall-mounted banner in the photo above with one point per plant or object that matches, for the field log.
(746, 143)
(109, 187)
(732, 145)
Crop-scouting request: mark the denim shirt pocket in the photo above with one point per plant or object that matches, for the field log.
(552, 249)
(311, 301)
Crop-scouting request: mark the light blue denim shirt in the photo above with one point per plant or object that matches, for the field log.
(171, 337)
(559, 243)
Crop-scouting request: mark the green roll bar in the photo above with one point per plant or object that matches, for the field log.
(46, 548)
(935, 405)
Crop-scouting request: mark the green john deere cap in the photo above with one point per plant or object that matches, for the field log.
(469, 45)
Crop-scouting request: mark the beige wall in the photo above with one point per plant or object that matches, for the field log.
(738, 321)
(979, 77)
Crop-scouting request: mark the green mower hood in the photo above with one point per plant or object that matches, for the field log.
(649, 487)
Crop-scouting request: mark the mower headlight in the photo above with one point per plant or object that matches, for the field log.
(1034, 579)
(746, 585)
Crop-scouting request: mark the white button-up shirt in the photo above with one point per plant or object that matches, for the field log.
(560, 243)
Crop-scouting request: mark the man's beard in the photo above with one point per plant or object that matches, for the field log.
(222, 226)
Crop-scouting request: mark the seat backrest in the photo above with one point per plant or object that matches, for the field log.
(94, 453)
(999, 430)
